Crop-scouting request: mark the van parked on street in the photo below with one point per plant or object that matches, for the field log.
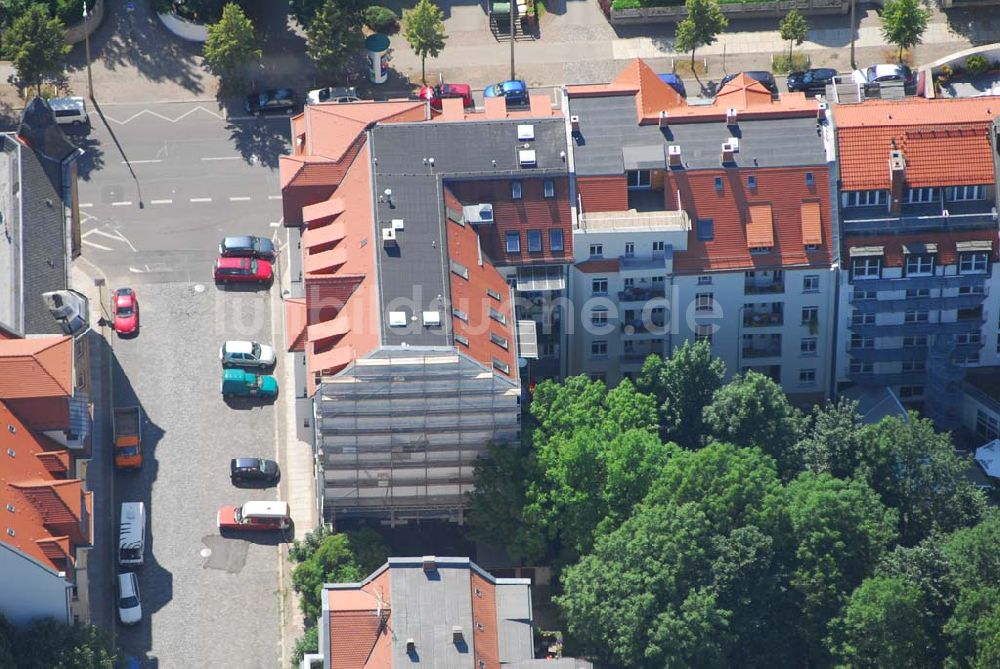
(69, 111)
(132, 533)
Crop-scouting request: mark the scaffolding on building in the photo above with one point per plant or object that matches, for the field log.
(945, 381)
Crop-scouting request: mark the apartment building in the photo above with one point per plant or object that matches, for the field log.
(417, 231)
(708, 221)
(918, 219)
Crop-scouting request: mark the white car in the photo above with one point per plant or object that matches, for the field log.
(884, 72)
(246, 354)
(129, 608)
(332, 94)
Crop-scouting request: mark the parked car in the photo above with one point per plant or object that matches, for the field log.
(254, 516)
(332, 94)
(674, 82)
(875, 74)
(437, 93)
(242, 270)
(246, 354)
(129, 607)
(126, 306)
(273, 101)
(253, 470)
(247, 246)
(761, 76)
(241, 383)
(515, 90)
(811, 81)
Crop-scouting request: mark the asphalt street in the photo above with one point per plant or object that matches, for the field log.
(207, 601)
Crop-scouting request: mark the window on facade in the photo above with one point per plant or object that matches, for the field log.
(810, 315)
(597, 250)
(968, 338)
(866, 267)
(807, 377)
(628, 282)
(971, 290)
(752, 182)
(599, 348)
(807, 346)
(973, 263)
(918, 195)
(958, 193)
(914, 366)
(513, 242)
(914, 341)
(629, 249)
(916, 293)
(987, 425)
(718, 183)
(638, 178)
(862, 295)
(705, 280)
(910, 392)
(659, 246)
(534, 241)
(919, 264)
(860, 341)
(462, 339)
(657, 281)
(860, 318)
(494, 294)
(810, 179)
(916, 316)
(971, 359)
(862, 367)
(499, 340)
(599, 317)
(703, 333)
(863, 198)
(515, 190)
(704, 301)
(549, 188)
(497, 316)
(501, 365)
(599, 286)
(706, 229)
(459, 269)
(460, 315)
(555, 239)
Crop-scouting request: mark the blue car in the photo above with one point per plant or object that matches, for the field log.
(674, 82)
(515, 90)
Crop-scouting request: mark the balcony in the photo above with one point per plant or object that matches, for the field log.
(638, 326)
(639, 354)
(641, 294)
(908, 353)
(764, 319)
(963, 326)
(890, 379)
(768, 351)
(917, 282)
(760, 286)
(918, 303)
(967, 215)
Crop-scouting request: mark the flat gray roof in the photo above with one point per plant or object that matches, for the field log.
(412, 161)
(609, 129)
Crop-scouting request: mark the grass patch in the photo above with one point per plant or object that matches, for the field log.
(683, 67)
(890, 56)
(783, 64)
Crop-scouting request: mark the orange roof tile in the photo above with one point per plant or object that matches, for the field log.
(485, 634)
(654, 96)
(324, 261)
(331, 361)
(760, 229)
(944, 141)
(321, 236)
(742, 93)
(295, 323)
(332, 328)
(357, 638)
(812, 225)
(331, 207)
(598, 265)
(36, 367)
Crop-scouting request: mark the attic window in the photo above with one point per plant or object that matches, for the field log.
(752, 182)
(550, 188)
(718, 184)
(462, 339)
(501, 365)
(705, 229)
(810, 179)
(499, 341)
(525, 132)
(515, 190)
(492, 293)
(459, 269)
(460, 315)
(11, 429)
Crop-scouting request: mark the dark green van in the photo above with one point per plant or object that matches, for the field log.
(241, 383)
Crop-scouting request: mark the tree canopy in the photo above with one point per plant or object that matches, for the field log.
(701, 26)
(424, 30)
(36, 45)
(48, 644)
(232, 42)
(793, 28)
(904, 23)
(333, 36)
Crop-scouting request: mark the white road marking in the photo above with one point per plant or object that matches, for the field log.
(126, 203)
(140, 162)
(273, 197)
(97, 231)
(275, 224)
(96, 246)
(239, 199)
(224, 158)
(147, 112)
(200, 199)
(136, 270)
(88, 204)
(161, 201)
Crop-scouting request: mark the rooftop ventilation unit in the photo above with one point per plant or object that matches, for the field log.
(432, 318)
(728, 154)
(731, 116)
(574, 124)
(430, 563)
(663, 119)
(397, 224)
(674, 155)
(389, 238)
(456, 634)
(397, 319)
(526, 157)
(525, 132)
(70, 308)
(411, 645)
(478, 213)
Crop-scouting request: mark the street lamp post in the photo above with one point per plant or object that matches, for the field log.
(513, 6)
(854, 65)
(86, 48)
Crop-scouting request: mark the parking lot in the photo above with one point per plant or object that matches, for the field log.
(207, 601)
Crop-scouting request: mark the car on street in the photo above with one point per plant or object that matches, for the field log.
(241, 383)
(272, 101)
(332, 94)
(675, 82)
(254, 516)
(236, 353)
(247, 246)
(814, 80)
(243, 270)
(876, 74)
(514, 90)
(437, 93)
(126, 306)
(129, 607)
(253, 470)
(760, 76)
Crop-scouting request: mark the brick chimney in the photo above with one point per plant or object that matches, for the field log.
(897, 180)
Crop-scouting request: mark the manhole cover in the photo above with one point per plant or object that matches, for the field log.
(206, 552)
(199, 288)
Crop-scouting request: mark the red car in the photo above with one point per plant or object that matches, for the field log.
(243, 270)
(126, 306)
(254, 516)
(436, 93)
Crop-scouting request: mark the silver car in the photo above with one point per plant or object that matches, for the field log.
(246, 354)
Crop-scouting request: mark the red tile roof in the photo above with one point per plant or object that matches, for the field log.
(946, 241)
(784, 189)
(760, 227)
(598, 265)
(358, 638)
(812, 223)
(295, 323)
(944, 141)
(608, 193)
(485, 635)
(653, 95)
(36, 367)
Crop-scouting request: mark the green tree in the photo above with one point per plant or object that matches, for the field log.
(307, 643)
(333, 36)
(683, 385)
(232, 43)
(48, 644)
(305, 10)
(793, 28)
(36, 45)
(11, 9)
(904, 23)
(753, 410)
(974, 566)
(424, 30)
(833, 443)
(884, 626)
(331, 562)
(701, 26)
(915, 471)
